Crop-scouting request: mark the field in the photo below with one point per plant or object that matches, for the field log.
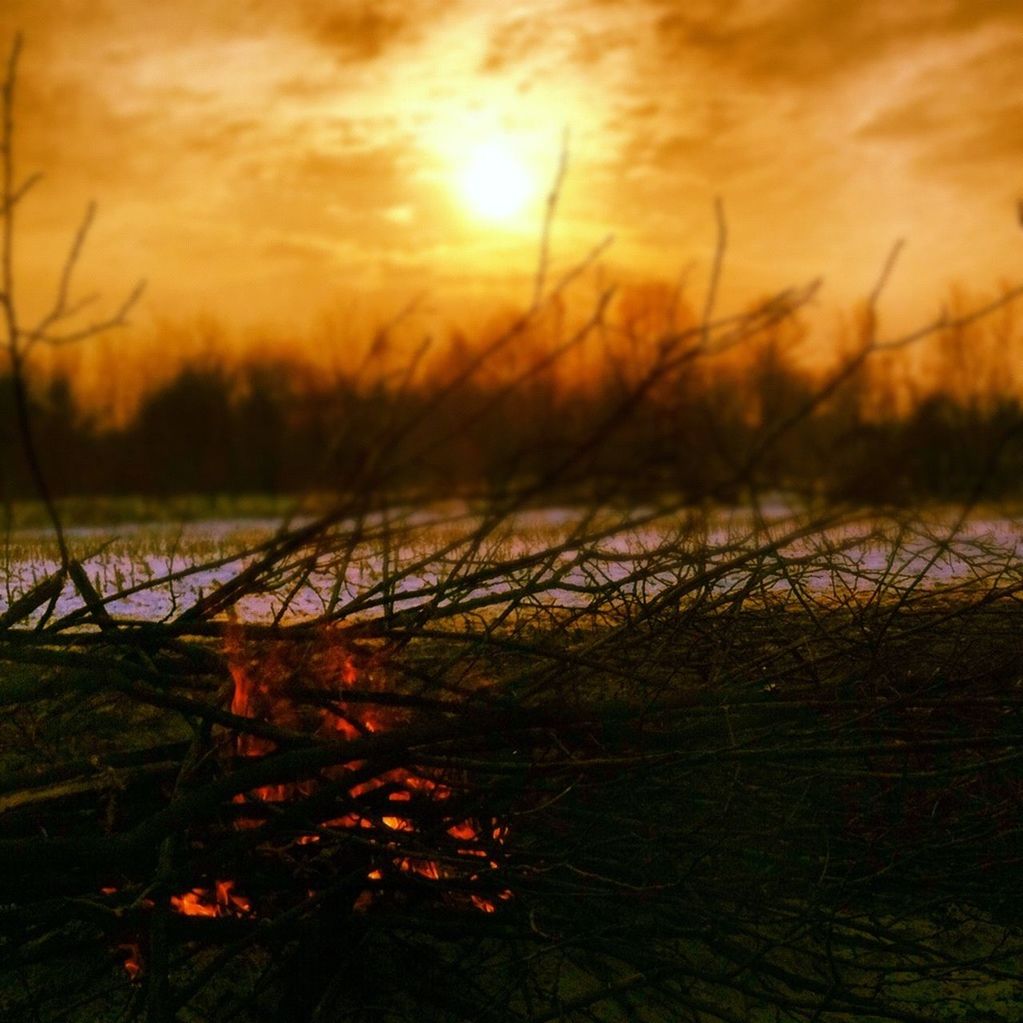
(152, 570)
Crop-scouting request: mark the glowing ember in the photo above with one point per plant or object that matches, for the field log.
(132, 959)
(226, 898)
(262, 690)
(264, 679)
(464, 832)
(222, 902)
(194, 903)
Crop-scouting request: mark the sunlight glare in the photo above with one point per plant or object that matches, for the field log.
(494, 182)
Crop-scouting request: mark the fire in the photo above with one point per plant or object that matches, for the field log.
(266, 687)
(132, 959)
(194, 903)
(221, 902)
(308, 696)
(465, 832)
(226, 897)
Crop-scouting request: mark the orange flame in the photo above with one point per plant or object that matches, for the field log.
(221, 902)
(261, 691)
(194, 903)
(261, 685)
(132, 959)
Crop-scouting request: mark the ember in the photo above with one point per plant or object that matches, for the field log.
(132, 959)
(222, 902)
(307, 694)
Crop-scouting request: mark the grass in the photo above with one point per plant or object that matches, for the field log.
(108, 512)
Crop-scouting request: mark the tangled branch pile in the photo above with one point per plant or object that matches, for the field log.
(621, 768)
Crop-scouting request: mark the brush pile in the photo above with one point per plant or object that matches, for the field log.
(613, 773)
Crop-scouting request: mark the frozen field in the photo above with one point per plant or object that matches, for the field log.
(447, 558)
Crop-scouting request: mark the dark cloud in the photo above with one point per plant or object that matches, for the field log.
(996, 137)
(983, 149)
(216, 139)
(905, 120)
(69, 132)
(37, 20)
(375, 169)
(325, 197)
(293, 251)
(360, 32)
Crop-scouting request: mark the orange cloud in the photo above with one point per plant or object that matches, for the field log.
(311, 146)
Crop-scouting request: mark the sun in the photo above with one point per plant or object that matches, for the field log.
(494, 181)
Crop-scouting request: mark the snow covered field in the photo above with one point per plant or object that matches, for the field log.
(443, 557)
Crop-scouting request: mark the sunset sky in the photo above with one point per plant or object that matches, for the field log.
(261, 161)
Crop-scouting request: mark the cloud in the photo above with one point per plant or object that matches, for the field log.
(512, 42)
(806, 42)
(332, 119)
(982, 148)
(965, 125)
(359, 32)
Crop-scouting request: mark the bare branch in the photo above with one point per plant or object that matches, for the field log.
(720, 247)
(60, 303)
(119, 318)
(944, 321)
(19, 193)
(548, 221)
(7, 193)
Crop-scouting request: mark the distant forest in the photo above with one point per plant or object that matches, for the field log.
(944, 423)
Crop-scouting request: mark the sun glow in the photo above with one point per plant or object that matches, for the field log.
(494, 181)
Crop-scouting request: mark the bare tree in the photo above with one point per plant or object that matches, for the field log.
(61, 324)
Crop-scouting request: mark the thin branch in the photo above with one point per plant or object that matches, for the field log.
(60, 303)
(119, 318)
(550, 209)
(19, 193)
(720, 246)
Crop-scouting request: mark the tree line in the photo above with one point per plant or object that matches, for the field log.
(943, 424)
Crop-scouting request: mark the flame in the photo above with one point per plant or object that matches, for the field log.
(227, 898)
(464, 832)
(261, 688)
(132, 959)
(262, 680)
(429, 869)
(195, 903)
(488, 905)
(221, 902)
